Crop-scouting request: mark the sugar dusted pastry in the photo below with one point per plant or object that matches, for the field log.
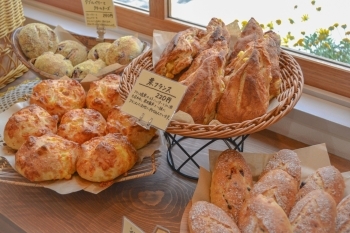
(105, 158)
(58, 96)
(80, 125)
(48, 157)
(32, 120)
(119, 122)
(103, 94)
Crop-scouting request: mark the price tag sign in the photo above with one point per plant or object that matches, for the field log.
(154, 99)
(130, 227)
(99, 13)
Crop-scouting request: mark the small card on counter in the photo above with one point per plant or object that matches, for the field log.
(154, 99)
(130, 227)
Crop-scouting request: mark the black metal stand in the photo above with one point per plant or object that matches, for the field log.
(173, 140)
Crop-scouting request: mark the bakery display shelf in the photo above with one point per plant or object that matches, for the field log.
(291, 90)
(88, 41)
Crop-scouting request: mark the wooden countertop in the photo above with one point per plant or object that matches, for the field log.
(159, 199)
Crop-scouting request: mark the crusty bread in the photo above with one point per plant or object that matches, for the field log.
(48, 157)
(327, 178)
(103, 94)
(120, 122)
(231, 182)
(343, 216)
(57, 96)
(106, 157)
(263, 214)
(278, 185)
(32, 120)
(73, 51)
(286, 160)
(80, 125)
(315, 212)
(205, 217)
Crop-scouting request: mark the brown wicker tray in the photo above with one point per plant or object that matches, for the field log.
(89, 42)
(291, 90)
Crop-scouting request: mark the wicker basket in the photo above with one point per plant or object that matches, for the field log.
(89, 42)
(291, 89)
(11, 17)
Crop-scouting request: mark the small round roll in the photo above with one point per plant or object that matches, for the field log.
(205, 217)
(343, 216)
(73, 51)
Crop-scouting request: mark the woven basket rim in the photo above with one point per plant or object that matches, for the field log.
(291, 90)
(29, 62)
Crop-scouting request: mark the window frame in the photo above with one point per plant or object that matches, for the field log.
(334, 78)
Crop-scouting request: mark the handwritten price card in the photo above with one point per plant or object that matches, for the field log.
(154, 99)
(99, 13)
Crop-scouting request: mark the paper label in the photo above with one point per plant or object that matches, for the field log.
(154, 99)
(130, 227)
(99, 13)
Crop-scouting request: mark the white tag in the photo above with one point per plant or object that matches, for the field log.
(130, 227)
(99, 13)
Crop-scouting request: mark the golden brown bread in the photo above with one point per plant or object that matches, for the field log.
(231, 182)
(106, 157)
(204, 84)
(48, 157)
(247, 90)
(120, 122)
(205, 217)
(315, 212)
(343, 216)
(32, 120)
(103, 94)
(57, 96)
(327, 178)
(80, 125)
(278, 185)
(286, 160)
(262, 214)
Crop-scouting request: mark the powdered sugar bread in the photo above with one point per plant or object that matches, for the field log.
(327, 178)
(315, 212)
(231, 182)
(343, 216)
(206, 217)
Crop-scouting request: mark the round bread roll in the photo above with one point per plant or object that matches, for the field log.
(87, 67)
(278, 185)
(327, 178)
(32, 120)
(342, 222)
(103, 94)
(286, 160)
(263, 214)
(48, 157)
(119, 122)
(231, 182)
(105, 158)
(73, 51)
(54, 64)
(123, 50)
(37, 38)
(80, 125)
(58, 96)
(315, 212)
(99, 51)
(205, 217)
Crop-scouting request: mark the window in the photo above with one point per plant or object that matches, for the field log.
(320, 73)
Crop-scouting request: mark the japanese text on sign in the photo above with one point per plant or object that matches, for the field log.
(154, 99)
(99, 12)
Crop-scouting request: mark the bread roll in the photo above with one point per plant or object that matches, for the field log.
(87, 67)
(32, 120)
(278, 185)
(326, 178)
(54, 64)
(48, 157)
(73, 51)
(286, 160)
(105, 158)
(58, 96)
(99, 51)
(343, 216)
(315, 212)
(205, 217)
(262, 214)
(80, 125)
(231, 182)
